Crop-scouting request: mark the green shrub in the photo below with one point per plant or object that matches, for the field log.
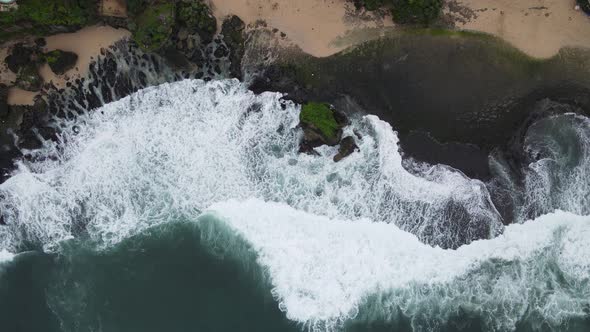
(320, 116)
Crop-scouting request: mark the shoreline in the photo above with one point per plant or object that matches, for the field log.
(539, 28)
(318, 27)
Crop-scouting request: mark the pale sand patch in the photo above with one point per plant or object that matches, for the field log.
(318, 27)
(17, 96)
(116, 8)
(540, 28)
(87, 43)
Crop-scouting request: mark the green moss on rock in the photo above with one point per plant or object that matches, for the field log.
(153, 26)
(60, 61)
(320, 116)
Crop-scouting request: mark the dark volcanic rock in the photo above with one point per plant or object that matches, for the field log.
(176, 59)
(28, 78)
(40, 42)
(61, 61)
(233, 36)
(19, 57)
(4, 108)
(347, 147)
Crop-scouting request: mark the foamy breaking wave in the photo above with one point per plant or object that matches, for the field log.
(5, 256)
(175, 149)
(325, 271)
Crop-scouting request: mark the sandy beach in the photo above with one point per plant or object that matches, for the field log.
(539, 28)
(316, 26)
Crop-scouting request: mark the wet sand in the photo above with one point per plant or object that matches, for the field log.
(17, 96)
(318, 27)
(87, 43)
(540, 28)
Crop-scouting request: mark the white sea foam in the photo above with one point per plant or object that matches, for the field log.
(177, 148)
(5, 256)
(323, 270)
(560, 179)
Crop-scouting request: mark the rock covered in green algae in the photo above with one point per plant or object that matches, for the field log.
(60, 61)
(321, 124)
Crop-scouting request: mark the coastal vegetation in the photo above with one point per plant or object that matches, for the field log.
(153, 26)
(407, 11)
(153, 23)
(195, 14)
(42, 16)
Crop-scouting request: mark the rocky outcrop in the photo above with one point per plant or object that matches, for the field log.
(19, 57)
(24, 61)
(346, 148)
(322, 125)
(28, 78)
(4, 108)
(233, 36)
(61, 61)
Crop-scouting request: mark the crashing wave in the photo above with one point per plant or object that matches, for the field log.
(177, 148)
(325, 272)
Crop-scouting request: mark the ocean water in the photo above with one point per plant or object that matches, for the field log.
(186, 207)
